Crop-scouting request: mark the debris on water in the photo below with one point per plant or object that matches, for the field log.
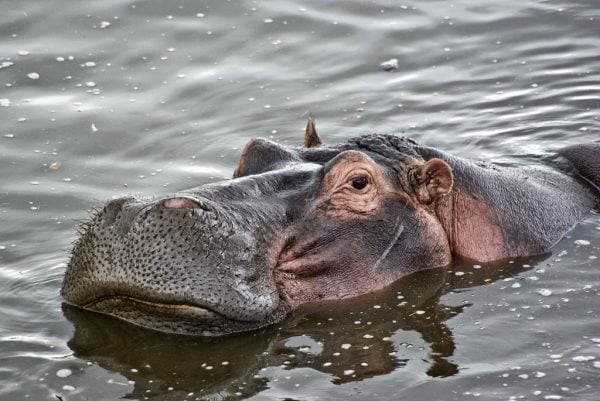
(348, 372)
(583, 358)
(540, 374)
(23, 53)
(544, 292)
(582, 242)
(4, 102)
(390, 65)
(66, 387)
(62, 373)
(459, 273)
(345, 346)
(597, 364)
(55, 165)
(33, 75)
(476, 266)
(94, 129)
(104, 24)
(516, 285)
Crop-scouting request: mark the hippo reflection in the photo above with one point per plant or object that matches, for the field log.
(298, 225)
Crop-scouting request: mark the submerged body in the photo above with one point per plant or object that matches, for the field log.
(298, 225)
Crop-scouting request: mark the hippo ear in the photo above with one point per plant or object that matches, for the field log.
(311, 138)
(432, 180)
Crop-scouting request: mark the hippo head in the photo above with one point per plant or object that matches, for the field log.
(294, 225)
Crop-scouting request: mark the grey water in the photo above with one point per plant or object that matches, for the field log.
(100, 99)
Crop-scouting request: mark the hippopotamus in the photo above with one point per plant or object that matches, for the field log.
(299, 225)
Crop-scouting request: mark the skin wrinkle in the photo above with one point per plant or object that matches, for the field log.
(391, 244)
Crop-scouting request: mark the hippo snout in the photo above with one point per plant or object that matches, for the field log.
(178, 263)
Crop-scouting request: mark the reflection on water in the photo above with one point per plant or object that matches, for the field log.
(348, 341)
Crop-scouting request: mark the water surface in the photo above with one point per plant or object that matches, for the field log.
(101, 99)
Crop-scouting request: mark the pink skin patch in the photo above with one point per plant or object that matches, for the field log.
(179, 203)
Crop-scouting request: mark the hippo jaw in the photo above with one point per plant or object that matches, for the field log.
(182, 264)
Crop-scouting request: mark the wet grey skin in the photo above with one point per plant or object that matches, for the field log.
(204, 261)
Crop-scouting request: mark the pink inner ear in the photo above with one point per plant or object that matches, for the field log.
(179, 203)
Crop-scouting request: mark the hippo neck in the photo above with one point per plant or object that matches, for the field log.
(497, 212)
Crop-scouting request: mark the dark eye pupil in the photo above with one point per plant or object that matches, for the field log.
(360, 182)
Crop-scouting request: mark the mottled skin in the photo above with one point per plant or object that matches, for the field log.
(299, 225)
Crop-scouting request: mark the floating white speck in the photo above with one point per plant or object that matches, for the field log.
(376, 306)
(367, 336)
(597, 364)
(596, 340)
(420, 312)
(389, 65)
(524, 376)
(582, 242)
(5, 64)
(94, 129)
(544, 292)
(553, 397)
(583, 358)
(268, 21)
(67, 179)
(326, 364)
(33, 75)
(66, 387)
(104, 24)
(90, 84)
(200, 15)
(23, 53)
(516, 285)
(345, 346)
(89, 64)
(60, 59)
(459, 273)
(348, 372)
(62, 373)
(555, 356)
(476, 266)
(4, 102)
(540, 374)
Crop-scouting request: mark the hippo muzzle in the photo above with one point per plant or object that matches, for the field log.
(199, 261)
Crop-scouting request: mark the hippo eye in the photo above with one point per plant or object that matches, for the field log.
(360, 182)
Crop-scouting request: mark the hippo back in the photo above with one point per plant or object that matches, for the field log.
(585, 159)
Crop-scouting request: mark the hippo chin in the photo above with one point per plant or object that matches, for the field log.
(299, 225)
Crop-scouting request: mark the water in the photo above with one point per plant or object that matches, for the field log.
(101, 99)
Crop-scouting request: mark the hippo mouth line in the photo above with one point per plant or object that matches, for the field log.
(165, 317)
(109, 303)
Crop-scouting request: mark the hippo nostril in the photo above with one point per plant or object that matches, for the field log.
(181, 203)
